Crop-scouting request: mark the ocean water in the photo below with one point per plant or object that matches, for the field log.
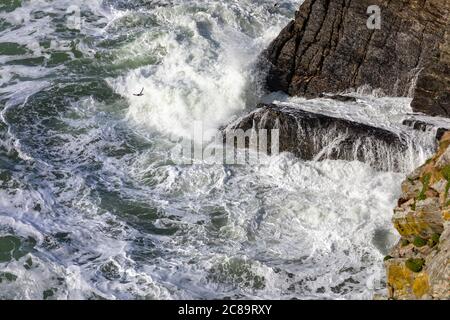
(93, 207)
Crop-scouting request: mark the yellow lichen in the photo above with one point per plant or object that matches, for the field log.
(410, 226)
(446, 215)
(399, 278)
(421, 285)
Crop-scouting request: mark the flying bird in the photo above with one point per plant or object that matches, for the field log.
(140, 94)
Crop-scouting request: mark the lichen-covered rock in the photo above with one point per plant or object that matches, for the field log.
(418, 218)
(329, 48)
(420, 263)
(403, 282)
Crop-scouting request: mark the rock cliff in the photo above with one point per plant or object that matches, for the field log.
(419, 265)
(329, 48)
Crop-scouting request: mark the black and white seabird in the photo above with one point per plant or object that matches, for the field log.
(140, 94)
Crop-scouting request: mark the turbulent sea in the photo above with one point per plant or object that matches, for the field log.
(93, 207)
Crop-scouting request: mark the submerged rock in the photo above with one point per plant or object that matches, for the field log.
(317, 136)
(329, 48)
(422, 270)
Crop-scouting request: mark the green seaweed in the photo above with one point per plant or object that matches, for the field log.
(388, 258)
(404, 242)
(434, 240)
(446, 174)
(419, 242)
(435, 237)
(28, 263)
(415, 265)
(7, 276)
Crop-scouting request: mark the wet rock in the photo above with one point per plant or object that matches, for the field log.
(425, 126)
(316, 136)
(329, 48)
(417, 124)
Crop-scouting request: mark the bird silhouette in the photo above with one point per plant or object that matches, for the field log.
(140, 94)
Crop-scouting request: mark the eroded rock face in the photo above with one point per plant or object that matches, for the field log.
(316, 136)
(329, 48)
(419, 265)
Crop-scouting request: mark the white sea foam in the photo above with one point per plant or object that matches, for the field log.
(113, 217)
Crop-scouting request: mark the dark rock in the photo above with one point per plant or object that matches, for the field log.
(329, 48)
(316, 136)
(440, 133)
